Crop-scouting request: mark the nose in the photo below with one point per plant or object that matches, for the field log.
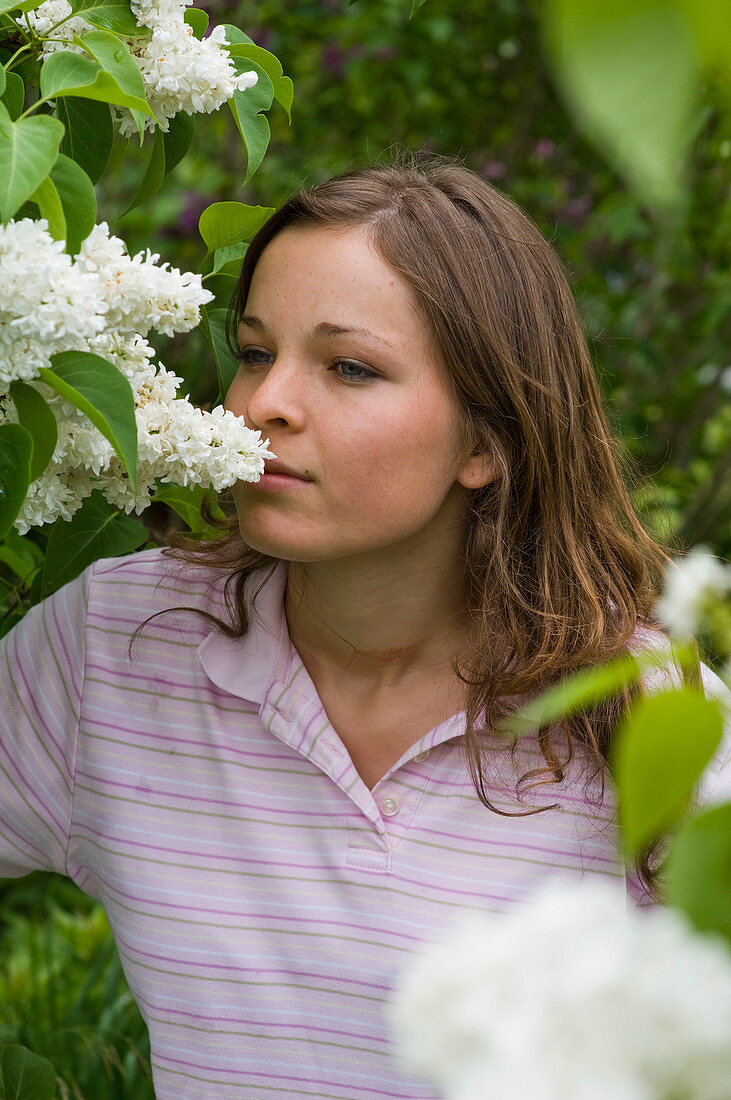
(274, 397)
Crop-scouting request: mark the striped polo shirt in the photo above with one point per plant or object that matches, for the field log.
(262, 898)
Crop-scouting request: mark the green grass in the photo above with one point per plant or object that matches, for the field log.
(63, 993)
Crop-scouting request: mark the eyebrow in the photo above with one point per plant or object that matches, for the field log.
(321, 331)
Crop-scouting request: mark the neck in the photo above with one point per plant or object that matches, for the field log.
(384, 624)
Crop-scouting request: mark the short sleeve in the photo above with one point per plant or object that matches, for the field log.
(41, 684)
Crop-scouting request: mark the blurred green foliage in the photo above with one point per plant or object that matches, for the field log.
(467, 79)
(63, 994)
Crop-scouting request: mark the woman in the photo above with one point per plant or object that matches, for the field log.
(291, 782)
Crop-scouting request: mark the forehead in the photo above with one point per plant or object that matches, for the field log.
(338, 274)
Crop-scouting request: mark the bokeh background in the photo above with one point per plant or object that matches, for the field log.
(469, 78)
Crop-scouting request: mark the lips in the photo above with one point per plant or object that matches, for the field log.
(281, 468)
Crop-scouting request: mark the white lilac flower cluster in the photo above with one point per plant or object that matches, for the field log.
(179, 72)
(104, 301)
(571, 995)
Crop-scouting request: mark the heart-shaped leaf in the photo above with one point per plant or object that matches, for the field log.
(49, 204)
(26, 1076)
(111, 15)
(247, 108)
(225, 223)
(36, 416)
(103, 394)
(16, 452)
(78, 199)
(89, 133)
(660, 752)
(28, 151)
(96, 531)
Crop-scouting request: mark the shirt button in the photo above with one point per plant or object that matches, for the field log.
(420, 756)
(389, 807)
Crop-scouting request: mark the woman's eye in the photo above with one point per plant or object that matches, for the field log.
(354, 371)
(249, 355)
(348, 369)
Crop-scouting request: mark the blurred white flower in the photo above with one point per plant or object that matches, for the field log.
(179, 72)
(571, 995)
(689, 583)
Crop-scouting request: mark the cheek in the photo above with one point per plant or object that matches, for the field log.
(404, 460)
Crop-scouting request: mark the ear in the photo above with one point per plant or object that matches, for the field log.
(478, 470)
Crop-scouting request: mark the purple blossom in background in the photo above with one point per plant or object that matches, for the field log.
(576, 210)
(385, 53)
(262, 36)
(193, 206)
(493, 170)
(333, 60)
(544, 149)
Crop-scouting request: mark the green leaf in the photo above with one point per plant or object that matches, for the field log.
(16, 452)
(49, 204)
(13, 561)
(197, 20)
(234, 35)
(711, 29)
(116, 60)
(17, 5)
(698, 870)
(20, 554)
(28, 150)
(246, 108)
(2, 81)
(78, 199)
(186, 502)
(37, 418)
(228, 260)
(110, 15)
(225, 223)
(154, 175)
(272, 66)
(587, 687)
(178, 139)
(102, 392)
(415, 5)
(70, 74)
(26, 1076)
(660, 752)
(96, 531)
(628, 74)
(14, 94)
(89, 134)
(577, 692)
(213, 324)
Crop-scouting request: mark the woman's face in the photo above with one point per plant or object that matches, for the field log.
(339, 373)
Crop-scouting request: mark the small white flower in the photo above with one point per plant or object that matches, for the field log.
(47, 303)
(43, 18)
(141, 294)
(571, 995)
(690, 582)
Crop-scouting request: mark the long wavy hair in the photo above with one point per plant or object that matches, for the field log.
(559, 571)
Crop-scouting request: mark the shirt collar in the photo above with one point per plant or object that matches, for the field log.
(246, 666)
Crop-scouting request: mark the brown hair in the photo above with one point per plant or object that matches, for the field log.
(559, 572)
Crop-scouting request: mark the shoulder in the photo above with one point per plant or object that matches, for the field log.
(146, 583)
